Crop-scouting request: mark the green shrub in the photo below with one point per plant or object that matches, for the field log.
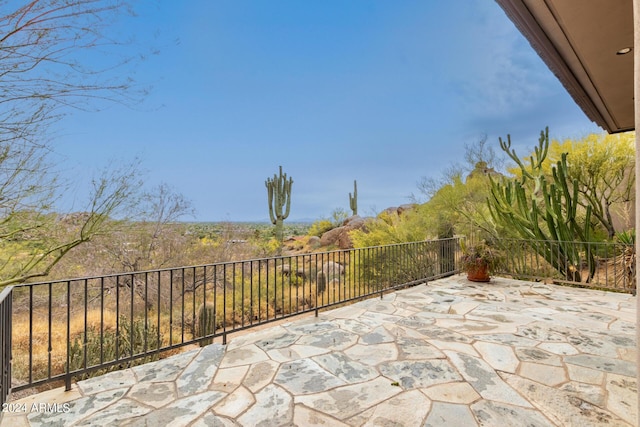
(320, 227)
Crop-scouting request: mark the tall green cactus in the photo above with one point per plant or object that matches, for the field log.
(279, 195)
(205, 323)
(353, 200)
(536, 209)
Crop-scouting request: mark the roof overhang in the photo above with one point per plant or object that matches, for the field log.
(580, 41)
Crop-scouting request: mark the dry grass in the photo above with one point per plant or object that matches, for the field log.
(243, 307)
(37, 338)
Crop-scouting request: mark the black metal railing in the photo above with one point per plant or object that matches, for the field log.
(603, 265)
(60, 330)
(5, 347)
(75, 328)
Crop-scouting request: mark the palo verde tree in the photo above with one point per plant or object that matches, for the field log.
(474, 154)
(542, 208)
(43, 75)
(34, 239)
(456, 200)
(603, 166)
(279, 198)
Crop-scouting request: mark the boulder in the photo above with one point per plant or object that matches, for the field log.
(339, 236)
(393, 210)
(330, 272)
(314, 242)
(407, 207)
(355, 221)
(397, 210)
(332, 236)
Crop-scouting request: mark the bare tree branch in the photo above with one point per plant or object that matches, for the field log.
(43, 44)
(46, 47)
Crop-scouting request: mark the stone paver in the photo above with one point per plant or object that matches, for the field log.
(449, 352)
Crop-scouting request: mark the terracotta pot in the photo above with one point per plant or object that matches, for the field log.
(478, 273)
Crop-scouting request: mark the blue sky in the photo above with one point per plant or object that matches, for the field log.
(383, 92)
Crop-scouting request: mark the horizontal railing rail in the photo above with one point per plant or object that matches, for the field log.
(80, 327)
(602, 265)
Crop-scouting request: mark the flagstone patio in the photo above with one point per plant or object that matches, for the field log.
(447, 353)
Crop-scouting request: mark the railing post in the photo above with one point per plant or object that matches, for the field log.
(316, 281)
(445, 256)
(6, 329)
(67, 377)
(385, 274)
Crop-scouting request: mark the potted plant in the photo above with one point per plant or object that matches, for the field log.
(479, 261)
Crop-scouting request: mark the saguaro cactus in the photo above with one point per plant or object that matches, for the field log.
(353, 200)
(279, 195)
(205, 323)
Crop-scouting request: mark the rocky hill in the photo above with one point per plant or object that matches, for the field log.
(338, 237)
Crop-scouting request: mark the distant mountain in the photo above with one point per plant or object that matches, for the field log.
(302, 220)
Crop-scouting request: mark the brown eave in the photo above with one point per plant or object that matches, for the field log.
(579, 41)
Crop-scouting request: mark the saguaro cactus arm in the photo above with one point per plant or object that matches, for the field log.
(270, 201)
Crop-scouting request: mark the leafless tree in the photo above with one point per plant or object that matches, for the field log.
(46, 47)
(474, 153)
(154, 239)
